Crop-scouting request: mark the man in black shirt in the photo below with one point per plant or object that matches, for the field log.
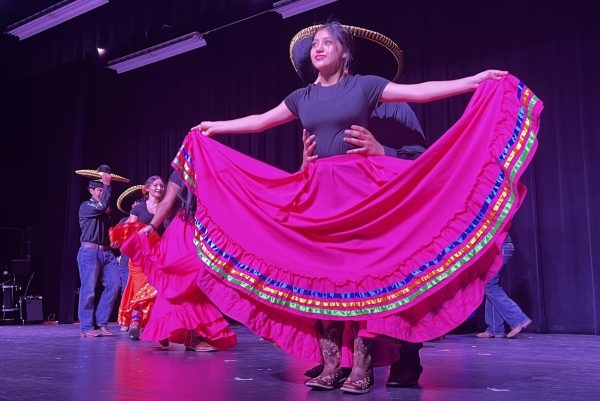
(95, 258)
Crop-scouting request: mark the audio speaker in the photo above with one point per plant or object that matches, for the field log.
(31, 308)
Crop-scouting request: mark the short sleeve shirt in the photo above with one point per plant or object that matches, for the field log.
(326, 111)
(141, 211)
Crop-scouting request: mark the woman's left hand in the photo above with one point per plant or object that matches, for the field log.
(206, 128)
(489, 74)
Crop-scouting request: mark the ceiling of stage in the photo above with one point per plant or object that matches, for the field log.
(12, 11)
(136, 25)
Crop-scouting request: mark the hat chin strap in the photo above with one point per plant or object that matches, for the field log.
(339, 67)
(342, 72)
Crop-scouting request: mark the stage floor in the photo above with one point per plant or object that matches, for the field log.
(51, 362)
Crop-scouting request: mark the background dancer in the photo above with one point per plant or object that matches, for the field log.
(181, 314)
(499, 307)
(139, 296)
(96, 259)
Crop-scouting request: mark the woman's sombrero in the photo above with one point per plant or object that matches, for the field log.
(129, 196)
(97, 174)
(375, 47)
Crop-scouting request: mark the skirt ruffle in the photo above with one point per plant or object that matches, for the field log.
(180, 306)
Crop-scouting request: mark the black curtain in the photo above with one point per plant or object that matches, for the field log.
(64, 110)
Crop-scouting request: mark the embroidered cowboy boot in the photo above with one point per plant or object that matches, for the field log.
(361, 378)
(330, 341)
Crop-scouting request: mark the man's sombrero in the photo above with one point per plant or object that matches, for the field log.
(375, 55)
(129, 196)
(97, 174)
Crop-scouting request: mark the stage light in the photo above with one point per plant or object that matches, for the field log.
(101, 51)
(52, 16)
(159, 52)
(288, 8)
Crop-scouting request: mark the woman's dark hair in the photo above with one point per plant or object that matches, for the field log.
(343, 36)
(151, 180)
(188, 204)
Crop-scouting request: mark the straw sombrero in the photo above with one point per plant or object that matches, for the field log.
(129, 196)
(375, 46)
(97, 174)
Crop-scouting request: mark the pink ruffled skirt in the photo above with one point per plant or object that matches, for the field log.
(402, 248)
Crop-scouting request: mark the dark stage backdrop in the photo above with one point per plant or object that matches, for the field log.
(63, 110)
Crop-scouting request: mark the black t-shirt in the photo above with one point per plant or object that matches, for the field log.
(326, 111)
(141, 211)
(144, 216)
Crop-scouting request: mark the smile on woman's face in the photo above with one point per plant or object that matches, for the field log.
(326, 52)
(156, 189)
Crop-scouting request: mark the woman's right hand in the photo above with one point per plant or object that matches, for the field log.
(206, 128)
(309, 142)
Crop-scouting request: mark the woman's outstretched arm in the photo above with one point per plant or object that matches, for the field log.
(434, 90)
(249, 124)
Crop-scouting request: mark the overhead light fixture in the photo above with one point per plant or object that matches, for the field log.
(288, 8)
(159, 52)
(52, 16)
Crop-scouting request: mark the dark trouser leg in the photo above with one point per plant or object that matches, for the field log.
(314, 371)
(406, 371)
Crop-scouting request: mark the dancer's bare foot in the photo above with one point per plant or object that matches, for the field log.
(517, 329)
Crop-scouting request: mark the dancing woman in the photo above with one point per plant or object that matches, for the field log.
(138, 296)
(361, 248)
(182, 313)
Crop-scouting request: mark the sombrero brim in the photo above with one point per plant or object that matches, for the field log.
(375, 47)
(128, 196)
(96, 175)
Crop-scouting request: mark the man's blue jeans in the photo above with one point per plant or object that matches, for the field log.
(499, 308)
(93, 263)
